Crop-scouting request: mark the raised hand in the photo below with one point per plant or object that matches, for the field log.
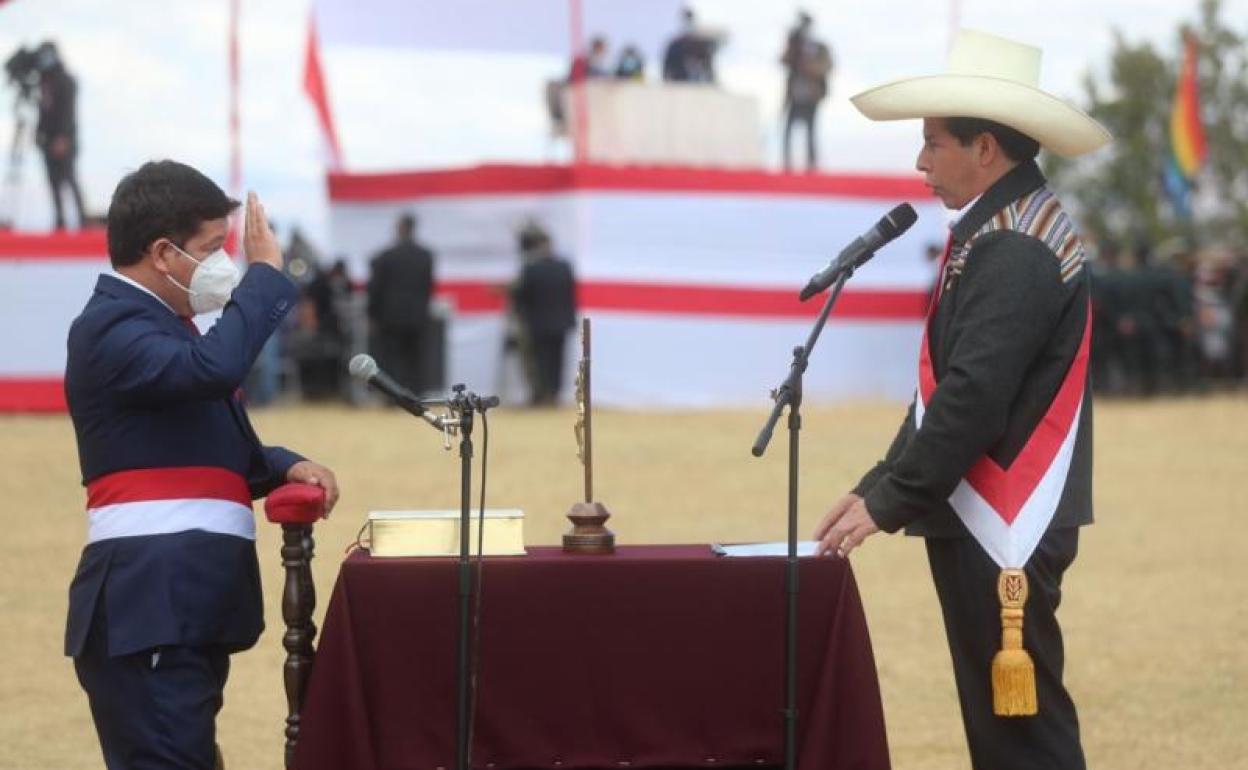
(259, 242)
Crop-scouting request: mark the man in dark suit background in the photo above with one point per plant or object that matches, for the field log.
(168, 585)
(56, 133)
(399, 288)
(545, 300)
(808, 66)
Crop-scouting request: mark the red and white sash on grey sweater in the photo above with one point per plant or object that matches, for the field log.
(1008, 510)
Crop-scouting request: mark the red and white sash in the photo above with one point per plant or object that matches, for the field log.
(157, 501)
(1009, 509)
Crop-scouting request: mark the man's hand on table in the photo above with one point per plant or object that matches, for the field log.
(844, 527)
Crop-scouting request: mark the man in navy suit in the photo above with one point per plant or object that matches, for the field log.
(168, 585)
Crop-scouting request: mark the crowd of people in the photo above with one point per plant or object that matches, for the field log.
(395, 317)
(689, 57)
(1168, 320)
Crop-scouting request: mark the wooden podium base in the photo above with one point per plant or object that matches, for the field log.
(589, 533)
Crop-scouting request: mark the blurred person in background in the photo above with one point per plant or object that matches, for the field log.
(56, 134)
(168, 586)
(808, 66)
(400, 286)
(319, 341)
(591, 65)
(545, 301)
(631, 65)
(517, 345)
(690, 56)
(1178, 310)
(1216, 316)
(1239, 308)
(1106, 361)
(1140, 322)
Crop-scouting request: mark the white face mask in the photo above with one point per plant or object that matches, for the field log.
(212, 283)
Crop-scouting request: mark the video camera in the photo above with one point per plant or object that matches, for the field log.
(27, 65)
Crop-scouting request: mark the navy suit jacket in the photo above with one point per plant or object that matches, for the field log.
(146, 392)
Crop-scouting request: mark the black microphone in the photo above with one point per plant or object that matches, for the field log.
(363, 367)
(893, 224)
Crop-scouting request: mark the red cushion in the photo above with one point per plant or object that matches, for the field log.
(295, 504)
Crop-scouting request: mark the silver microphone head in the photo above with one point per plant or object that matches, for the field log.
(362, 366)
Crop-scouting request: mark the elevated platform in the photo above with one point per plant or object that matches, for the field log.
(691, 276)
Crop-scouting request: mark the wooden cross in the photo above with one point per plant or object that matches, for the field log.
(584, 413)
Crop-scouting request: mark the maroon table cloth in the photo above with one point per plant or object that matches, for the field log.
(657, 656)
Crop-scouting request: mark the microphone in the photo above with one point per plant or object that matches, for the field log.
(893, 224)
(363, 367)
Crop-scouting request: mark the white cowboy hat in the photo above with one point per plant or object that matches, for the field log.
(996, 79)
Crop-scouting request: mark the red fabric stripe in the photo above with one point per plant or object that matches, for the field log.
(685, 299)
(32, 394)
(499, 179)
(187, 483)
(877, 305)
(84, 244)
(1189, 86)
(473, 296)
(927, 376)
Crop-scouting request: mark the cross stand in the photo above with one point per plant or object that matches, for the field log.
(790, 394)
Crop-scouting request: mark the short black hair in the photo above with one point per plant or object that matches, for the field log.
(163, 199)
(1016, 145)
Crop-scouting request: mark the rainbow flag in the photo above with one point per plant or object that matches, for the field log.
(1187, 134)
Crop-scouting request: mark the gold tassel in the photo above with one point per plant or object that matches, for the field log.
(1013, 674)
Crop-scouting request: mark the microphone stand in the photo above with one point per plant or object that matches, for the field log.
(462, 405)
(790, 394)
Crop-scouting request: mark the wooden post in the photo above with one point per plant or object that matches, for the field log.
(298, 602)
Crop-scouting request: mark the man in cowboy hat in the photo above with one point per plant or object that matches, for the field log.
(993, 463)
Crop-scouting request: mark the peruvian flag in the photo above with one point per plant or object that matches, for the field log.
(318, 92)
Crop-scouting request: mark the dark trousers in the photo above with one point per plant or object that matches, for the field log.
(548, 357)
(61, 174)
(156, 709)
(966, 582)
(801, 113)
(399, 352)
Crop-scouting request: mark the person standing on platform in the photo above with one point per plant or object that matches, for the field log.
(808, 63)
(631, 65)
(1003, 414)
(399, 288)
(545, 300)
(690, 56)
(591, 65)
(168, 586)
(56, 133)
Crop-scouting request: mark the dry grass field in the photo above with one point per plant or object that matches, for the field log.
(1155, 624)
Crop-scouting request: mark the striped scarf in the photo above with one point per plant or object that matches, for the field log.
(1040, 215)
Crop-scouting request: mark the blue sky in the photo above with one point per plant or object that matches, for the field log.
(152, 79)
